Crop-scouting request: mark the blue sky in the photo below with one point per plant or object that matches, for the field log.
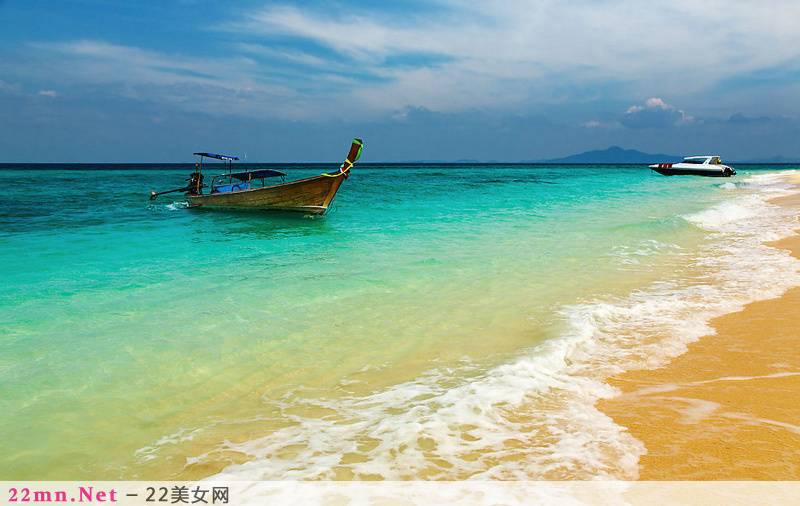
(506, 80)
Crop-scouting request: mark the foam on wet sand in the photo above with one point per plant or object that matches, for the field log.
(728, 408)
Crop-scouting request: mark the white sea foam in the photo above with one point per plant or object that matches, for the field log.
(147, 453)
(486, 426)
(534, 417)
(642, 252)
(172, 206)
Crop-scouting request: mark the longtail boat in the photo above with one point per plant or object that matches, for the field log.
(249, 189)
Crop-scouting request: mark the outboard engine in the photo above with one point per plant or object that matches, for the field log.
(195, 184)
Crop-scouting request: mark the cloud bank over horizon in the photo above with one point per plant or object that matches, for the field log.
(424, 80)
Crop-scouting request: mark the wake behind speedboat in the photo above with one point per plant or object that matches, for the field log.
(710, 166)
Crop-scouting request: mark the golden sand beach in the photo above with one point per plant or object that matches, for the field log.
(729, 408)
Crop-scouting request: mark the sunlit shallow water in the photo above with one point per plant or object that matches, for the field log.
(440, 322)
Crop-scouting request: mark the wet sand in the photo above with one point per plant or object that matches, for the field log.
(729, 408)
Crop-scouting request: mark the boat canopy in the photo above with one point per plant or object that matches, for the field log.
(256, 174)
(705, 159)
(218, 157)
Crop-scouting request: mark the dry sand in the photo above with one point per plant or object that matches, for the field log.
(729, 408)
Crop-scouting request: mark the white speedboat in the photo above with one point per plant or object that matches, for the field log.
(695, 166)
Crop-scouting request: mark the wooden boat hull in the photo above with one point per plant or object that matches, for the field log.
(311, 196)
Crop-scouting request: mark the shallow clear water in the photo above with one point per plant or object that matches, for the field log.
(441, 321)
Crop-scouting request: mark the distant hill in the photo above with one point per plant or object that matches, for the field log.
(614, 154)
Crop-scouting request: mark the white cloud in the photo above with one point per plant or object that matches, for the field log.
(223, 85)
(655, 113)
(509, 52)
(46, 93)
(11, 89)
(289, 55)
(113, 62)
(452, 55)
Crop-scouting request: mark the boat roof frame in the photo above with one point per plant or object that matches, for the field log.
(215, 155)
(699, 157)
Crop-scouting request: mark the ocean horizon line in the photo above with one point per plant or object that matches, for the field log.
(154, 165)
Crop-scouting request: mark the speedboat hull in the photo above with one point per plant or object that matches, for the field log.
(678, 169)
(706, 165)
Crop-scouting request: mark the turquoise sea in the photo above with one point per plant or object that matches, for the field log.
(440, 322)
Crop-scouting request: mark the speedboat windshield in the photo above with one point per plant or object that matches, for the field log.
(697, 159)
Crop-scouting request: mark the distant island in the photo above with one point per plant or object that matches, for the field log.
(616, 154)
